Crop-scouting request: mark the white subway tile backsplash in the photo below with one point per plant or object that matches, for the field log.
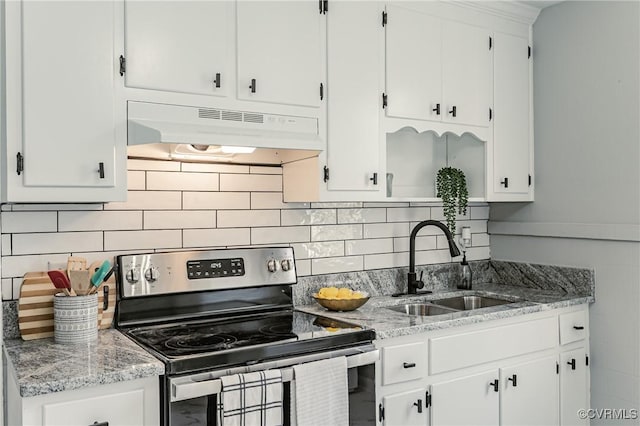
(284, 234)
(182, 181)
(320, 249)
(187, 206)
(479, 213)
(136, 180)
(216, 200)
(273, 200)
(248, 218)
(309, 217)
(336, 232)
(303, 267)
(5, 247)
(200, 238)
(333, 265)
(437, 213)
(133, 164)
(422, 243)
(179, 219)
(257, 183)
(99, 221)
(479, 240)
(378, 245)
(388, 260)
(17, 266)
(143, 240)
(148, 200)
(369, 215)
(265, 170)
(18, 222)
(7, 289)
(214, 168)
(56, 242)
(385, 230)
(408, 214)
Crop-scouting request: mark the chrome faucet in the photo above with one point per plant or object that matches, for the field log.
(412, 284)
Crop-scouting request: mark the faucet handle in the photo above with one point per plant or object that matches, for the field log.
(420, 283)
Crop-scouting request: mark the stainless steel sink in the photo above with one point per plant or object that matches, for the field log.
(465, 303)
(421, 309)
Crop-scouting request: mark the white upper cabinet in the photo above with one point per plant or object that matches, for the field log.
(279, 52)
(63, 138)
(437, 69)
(353, 98)
(512, 173)
(184, 46)
(414, 71)
(466, 74)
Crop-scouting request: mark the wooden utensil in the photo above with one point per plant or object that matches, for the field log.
(80, 281)
(75, 263)
(35, 305)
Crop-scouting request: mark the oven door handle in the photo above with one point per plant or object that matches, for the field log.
(193, 389)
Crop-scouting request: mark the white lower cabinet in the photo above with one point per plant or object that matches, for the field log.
(470, 400)
(574, 388)
(510, 372)
(134, 402)
(406, 408)
(529, 393)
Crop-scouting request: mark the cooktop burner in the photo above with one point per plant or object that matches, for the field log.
(188, 346)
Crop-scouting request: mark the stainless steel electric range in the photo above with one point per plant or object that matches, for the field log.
(207, 314)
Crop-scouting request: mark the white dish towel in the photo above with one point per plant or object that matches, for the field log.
(251, 399)
(320, 394)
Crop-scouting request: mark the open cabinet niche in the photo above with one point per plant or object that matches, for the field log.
(413, 161)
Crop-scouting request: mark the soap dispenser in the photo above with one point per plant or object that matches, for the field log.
(465, 282)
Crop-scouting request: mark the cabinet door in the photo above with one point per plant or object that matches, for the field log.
(179, 46)
(574, 391)
(527, 387)
(413, 64)
(353, 96)
(100, 409)
(511, 114)
(68, 94)
(471, 400)
(279, 50)
(405, 409)
(466, 74)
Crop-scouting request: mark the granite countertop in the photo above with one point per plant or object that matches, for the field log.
(388, 323)
(41, 366)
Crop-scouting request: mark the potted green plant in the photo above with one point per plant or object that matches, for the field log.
(451, 186)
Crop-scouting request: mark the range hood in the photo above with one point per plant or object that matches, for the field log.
(190, 133)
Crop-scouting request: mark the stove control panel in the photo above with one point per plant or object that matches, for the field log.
(188, 271)
(215, 268)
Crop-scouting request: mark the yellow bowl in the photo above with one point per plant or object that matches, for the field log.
(342, 304)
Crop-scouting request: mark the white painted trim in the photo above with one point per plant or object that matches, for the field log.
(591, 231)
(511, 10)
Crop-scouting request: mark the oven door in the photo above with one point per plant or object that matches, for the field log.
(193, 400)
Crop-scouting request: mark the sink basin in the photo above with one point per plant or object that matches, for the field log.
(421, 309)
(470, 302)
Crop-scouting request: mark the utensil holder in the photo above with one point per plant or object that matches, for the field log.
(75, 318)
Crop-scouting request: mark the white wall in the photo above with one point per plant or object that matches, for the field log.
(587, 152)
(173, 205)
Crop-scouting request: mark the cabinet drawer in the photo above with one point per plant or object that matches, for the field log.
(404, 362)
(118, 409)
(477, 347)
(573, 327)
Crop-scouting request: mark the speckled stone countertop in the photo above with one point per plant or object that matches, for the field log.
(42, 366)
(388, 323)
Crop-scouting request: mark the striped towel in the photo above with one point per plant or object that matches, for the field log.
(251, 399)
(320, 395)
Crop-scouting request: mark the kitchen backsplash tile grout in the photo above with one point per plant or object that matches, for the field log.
(217, 206)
